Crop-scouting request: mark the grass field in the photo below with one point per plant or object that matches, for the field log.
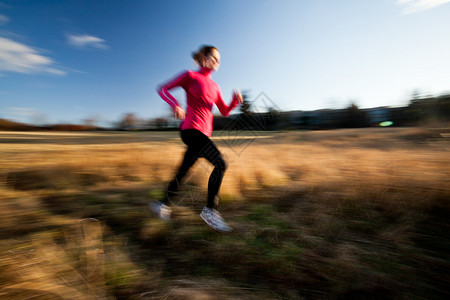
(339, 214)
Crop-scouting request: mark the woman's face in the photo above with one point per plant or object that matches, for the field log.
(212, 61)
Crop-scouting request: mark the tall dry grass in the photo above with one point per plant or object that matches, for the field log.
(287, 159)
(318, 215)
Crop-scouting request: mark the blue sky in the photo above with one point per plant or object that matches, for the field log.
(65, 61)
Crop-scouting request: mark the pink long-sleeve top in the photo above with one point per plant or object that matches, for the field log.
(202, 93)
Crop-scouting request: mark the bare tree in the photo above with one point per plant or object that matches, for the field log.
(129, 121)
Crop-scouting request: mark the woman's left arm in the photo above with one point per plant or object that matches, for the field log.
(225, 109)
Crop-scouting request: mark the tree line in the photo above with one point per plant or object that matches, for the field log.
(263, 114)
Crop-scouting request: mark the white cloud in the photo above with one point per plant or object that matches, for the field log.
(17, 57)
(55, 71)
(3, 19)
(412, 6)
(85, 41)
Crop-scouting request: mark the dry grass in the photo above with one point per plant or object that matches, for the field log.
(329, 214)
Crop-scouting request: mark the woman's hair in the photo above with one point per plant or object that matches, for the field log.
(204, 51)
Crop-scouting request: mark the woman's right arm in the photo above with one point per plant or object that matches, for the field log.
(163, 90)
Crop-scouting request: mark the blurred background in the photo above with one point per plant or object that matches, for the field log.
(337, 184)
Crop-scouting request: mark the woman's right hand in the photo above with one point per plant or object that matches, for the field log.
(179, 113)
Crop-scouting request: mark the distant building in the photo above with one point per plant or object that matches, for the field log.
(376, 115)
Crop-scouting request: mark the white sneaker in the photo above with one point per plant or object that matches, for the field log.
(213, 218)
(161, 210)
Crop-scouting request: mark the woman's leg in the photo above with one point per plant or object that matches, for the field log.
(213, 155)
(210, 215)
(190, 157)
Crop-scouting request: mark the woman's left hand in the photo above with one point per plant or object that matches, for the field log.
(237, 94)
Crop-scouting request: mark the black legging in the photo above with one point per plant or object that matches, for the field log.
(199, 145)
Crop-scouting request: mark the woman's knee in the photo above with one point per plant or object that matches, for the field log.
(220, 163)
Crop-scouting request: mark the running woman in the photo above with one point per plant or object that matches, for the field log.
(196, 129)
